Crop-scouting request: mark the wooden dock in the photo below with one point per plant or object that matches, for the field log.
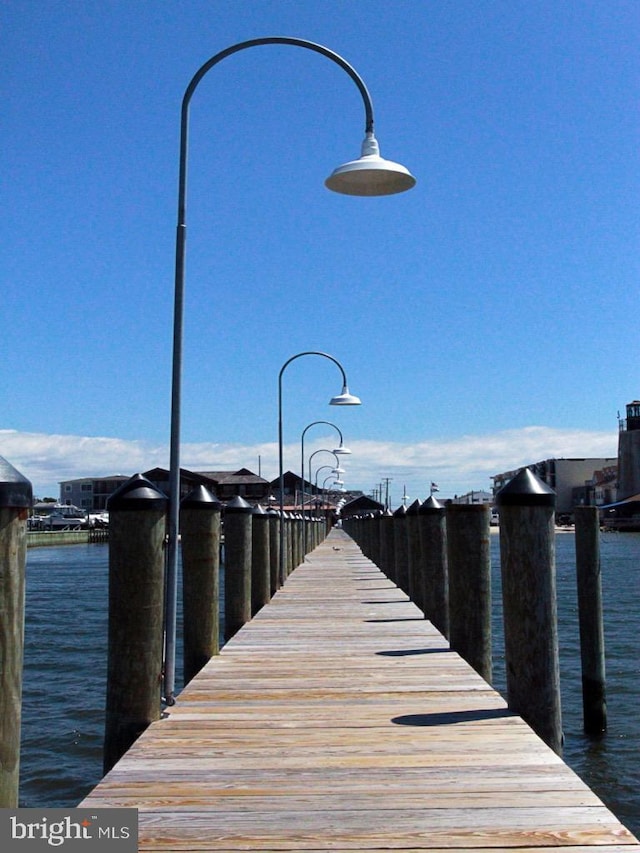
(338, 719)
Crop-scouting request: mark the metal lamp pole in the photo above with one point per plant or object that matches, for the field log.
(342, 399)
(338, 450)
(369, 175)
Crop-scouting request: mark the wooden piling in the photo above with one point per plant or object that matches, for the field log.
(385, 522)
(137, 523)
(200, 534)
(415, 556)
(527, 558)
(15, 500)
(274, 550)
(401, 548)
(594, 704)
(237, 565)
(389, 535)
(469, 565)
(260, 560)
(433, 535)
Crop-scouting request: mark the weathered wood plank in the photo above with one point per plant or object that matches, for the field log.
(339, 719)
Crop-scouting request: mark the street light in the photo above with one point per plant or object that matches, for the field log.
(369, 175)
(345, 398)
(323, 468)
(336, 469)
(342, 450)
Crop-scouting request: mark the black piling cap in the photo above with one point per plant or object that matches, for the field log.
(431, 505)
(414, 508)
(400, 512)
(238, 504)
(15, 490)
(137, 493)
(259, 510)
(201, 498)
(526, 489)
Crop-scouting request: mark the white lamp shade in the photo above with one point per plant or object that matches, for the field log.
(345, 399)
(342, 451)
(370, 174)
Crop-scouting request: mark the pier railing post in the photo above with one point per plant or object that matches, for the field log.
(415, 556)
(237, 565)
(594, 704)
(137, 523)
(200, 534)
(433, 533)
(16, 498)
(274, 550)
(469, 563)
(401, 548)
(527, 558)
(260, 560)
(389, 547)
(385, 523)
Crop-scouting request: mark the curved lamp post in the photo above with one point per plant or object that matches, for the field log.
(342, 450)
(336, 468)
(344, 398)
(369, 175)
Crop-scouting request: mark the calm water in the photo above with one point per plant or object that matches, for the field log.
(65, 669)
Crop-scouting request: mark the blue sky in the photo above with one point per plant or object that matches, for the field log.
(487, 318)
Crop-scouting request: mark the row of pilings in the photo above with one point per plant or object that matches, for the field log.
(256, 548)
(239, 542)
(441, 557)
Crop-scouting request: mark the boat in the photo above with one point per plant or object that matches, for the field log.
(58, 517)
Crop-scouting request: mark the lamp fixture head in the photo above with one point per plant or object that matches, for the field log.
(345, 399)
(342, 451)
(370, 174)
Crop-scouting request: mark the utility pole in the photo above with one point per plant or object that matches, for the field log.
(386, 481)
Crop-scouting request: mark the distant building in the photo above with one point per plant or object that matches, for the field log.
(361, 504)
(297, 492)
(629, 452)
(475, 497)
(90, 493)
(623, 512)
(568, 478)
(603, 488)
(224, 484)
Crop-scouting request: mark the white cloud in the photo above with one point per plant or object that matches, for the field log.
(457, 464)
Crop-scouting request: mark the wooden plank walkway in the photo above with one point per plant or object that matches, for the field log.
(338, 719)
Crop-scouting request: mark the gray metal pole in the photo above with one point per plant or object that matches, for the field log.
(178, 315)
(283, 573)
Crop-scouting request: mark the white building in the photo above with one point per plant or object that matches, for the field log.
(567, 477)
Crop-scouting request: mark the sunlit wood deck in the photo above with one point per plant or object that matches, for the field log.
(339, 720)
